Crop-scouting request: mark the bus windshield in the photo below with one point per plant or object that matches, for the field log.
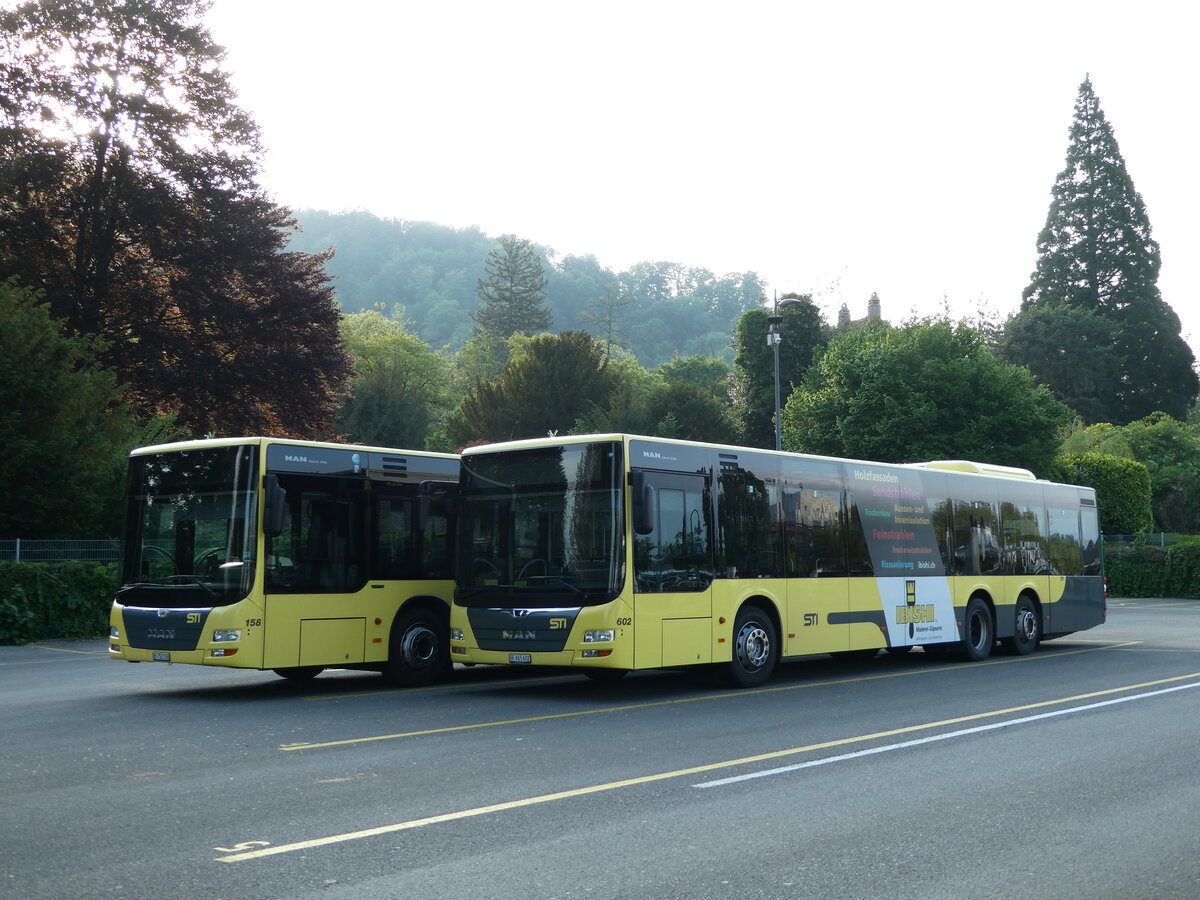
(190, 528)
(542, 528)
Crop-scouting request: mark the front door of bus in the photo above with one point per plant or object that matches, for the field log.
(673, 567)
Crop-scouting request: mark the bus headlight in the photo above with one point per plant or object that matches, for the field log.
(599, 637)
(114, 632)
(456, 634)
(220, 636)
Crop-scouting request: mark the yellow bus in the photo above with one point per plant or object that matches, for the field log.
(608, 553)
(296, 556)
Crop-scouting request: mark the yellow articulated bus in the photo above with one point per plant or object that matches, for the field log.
(296, 556)
(608, 553)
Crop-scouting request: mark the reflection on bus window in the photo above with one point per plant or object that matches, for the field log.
(676, 556)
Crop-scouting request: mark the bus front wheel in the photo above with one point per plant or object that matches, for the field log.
(300, 673)
(419, 649)
(755, 648)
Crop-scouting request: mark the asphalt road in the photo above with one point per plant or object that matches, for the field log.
(1069, 772)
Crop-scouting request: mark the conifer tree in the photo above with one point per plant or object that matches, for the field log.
(1096, 256)
(513, 294)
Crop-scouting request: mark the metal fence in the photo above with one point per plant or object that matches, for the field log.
(1120, 543)
(20, 550)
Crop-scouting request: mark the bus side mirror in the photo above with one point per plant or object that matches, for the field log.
(643, 503)
(276, 506)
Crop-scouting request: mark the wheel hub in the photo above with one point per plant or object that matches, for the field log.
(753, 646)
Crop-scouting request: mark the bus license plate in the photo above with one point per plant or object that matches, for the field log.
(520, 658)
(161, 656)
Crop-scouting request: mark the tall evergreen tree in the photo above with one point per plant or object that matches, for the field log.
(513, 294)
(1096, 254)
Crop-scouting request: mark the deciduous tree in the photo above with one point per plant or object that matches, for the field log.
(63, 426)
(399, 388)
(128, 194)
(927, 390)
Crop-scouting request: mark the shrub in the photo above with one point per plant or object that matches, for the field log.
(1122, 488)
(54, 600)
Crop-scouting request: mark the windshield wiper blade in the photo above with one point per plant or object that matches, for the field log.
(195, 579)
(559, 579)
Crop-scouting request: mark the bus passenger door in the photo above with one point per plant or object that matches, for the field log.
(673, 573)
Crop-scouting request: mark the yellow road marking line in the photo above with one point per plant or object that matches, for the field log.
(103, 652)
(302, 745)
(678, 773)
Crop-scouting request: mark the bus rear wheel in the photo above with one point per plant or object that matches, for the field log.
(979, 630)
(1027, 628)
(419, 649)
(755, 648)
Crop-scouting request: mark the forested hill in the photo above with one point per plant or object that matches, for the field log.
(655, 308)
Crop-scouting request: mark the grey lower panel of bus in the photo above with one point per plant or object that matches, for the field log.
(527, 630)
(1081, 606)
(163, 629)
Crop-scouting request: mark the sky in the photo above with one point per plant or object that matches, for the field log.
(901, 148)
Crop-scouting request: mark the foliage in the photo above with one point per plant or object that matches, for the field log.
(555, 381)
(1147, 571)
(603, 312)
(1170, 451)
(128, 194)
(63, 425)
(399, 390)
(1122, 488)
(927, 390)
(1055, 343)
(657, 309)
(710, 373)
(1137, 572)
(513, 295)
(804, 333)
(430, 270)
(678, 409)
(54, 600)
(1096, 256)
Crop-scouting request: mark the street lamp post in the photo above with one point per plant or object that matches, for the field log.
(774, 339)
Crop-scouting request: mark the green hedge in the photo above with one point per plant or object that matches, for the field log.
(1154, 572)
(39, 601)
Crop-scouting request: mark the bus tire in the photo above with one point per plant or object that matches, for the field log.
(1027, 625)
(979, 630)
(755, 648)
(299, 673)
(419, 648)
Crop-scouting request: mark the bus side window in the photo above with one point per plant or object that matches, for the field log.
(320, 549)
(677, 554)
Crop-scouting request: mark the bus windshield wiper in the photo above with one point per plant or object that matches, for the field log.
(194, 579)
(560, 580)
